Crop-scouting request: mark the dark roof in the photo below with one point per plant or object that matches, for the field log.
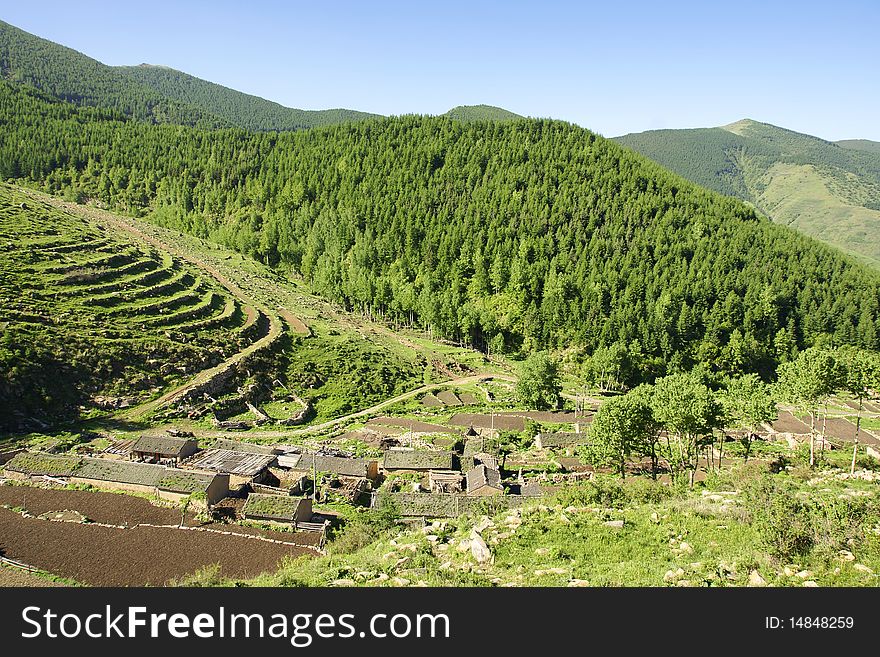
(482, 476)
(562, 439)
(244, 464)
(340, 465)
(272, 507)
(409, 459)
(164, 445)
(123, 472)
(236, 446)
(144, 474)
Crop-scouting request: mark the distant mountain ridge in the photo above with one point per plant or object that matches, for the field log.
(155, 94)
(241, 109)
(860, 145)
(825, 189)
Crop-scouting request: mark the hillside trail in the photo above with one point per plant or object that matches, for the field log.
(329, 424)
(276, 326)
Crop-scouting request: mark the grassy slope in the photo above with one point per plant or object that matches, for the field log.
(99, 311)
(347, 363)
(818, 187)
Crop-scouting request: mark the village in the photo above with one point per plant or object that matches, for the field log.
(426, 471)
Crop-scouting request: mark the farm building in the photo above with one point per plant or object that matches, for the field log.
(153, 449)
(417, 461)
(242, 467)
(444, 481)
(338, 465)
(560, 440)
(484, 481)
(288, 481)
(278, 508)
(531, 489)
(165, 483)
(250, 448)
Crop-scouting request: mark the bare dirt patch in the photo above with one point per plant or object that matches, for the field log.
(486, 421)
(107, 508)
(106, 556)
(409, 425)
(788, 423)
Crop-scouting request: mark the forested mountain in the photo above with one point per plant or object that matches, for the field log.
(526, 235)
(70, 75)
(860, 145)
(828, 190)
(148, 93)
(240, 109)
(481, 113)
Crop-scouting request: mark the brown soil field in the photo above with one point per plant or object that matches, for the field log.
(105, 556)
(484, 421)
(118, 509)
(407, 425)
(547, 416)
(108, 508)
(839, 429)
(788, 423)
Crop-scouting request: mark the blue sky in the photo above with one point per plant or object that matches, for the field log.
(613, 67)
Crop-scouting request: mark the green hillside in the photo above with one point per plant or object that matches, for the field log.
(240, 109)
(821, 188)
(481, 113)
(88, 312)
(147, 93)
(69, 75)
(526, 235)
(860, 145)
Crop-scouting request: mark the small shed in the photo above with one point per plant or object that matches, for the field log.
(484, 481)
(484, 458)
(444, 481)
(243, 467)
(560, 440)
(152, 449)
(238, 446)
(277, 508)
(339, 465)
(417, 460)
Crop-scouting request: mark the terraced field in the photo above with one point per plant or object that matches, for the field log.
(95, 317)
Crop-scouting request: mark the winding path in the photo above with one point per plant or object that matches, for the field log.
(465, 380)
(252, 308)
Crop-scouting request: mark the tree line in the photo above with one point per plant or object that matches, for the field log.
(511, 237)
(681, 416)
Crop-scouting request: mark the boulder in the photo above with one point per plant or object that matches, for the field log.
(479, 550)
(755, 579)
